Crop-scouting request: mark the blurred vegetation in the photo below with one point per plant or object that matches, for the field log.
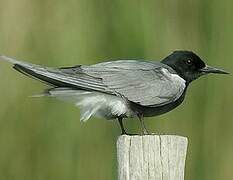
(42, 139)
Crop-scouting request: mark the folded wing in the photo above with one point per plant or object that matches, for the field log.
(72, 77)
(142, 82)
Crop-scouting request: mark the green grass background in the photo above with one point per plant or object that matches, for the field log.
(42, 139)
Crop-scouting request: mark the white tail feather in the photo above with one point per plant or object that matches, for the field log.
(92, 103)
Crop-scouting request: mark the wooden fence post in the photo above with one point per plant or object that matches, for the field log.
(151, 157)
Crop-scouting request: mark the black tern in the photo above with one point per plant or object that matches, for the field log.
(122, 88)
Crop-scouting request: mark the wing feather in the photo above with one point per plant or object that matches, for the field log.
(145, 83)
(59, 77)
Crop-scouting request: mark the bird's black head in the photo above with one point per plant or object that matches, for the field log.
(189, 66)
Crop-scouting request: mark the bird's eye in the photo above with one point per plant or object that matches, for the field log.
(189, 61)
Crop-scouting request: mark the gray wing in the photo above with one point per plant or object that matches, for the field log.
(145, 83)
(142, 82)
(59, 77)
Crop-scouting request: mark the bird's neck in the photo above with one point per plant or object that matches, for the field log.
(170, 63)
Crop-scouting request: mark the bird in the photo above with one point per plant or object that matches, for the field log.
(121, 89)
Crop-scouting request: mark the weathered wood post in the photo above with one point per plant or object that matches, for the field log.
(151, 157)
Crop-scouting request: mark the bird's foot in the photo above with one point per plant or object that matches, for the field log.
(144, 132)
(129, 134)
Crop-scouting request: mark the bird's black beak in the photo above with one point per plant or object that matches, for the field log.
(208, 69)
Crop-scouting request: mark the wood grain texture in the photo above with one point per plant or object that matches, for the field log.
(151, 157)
